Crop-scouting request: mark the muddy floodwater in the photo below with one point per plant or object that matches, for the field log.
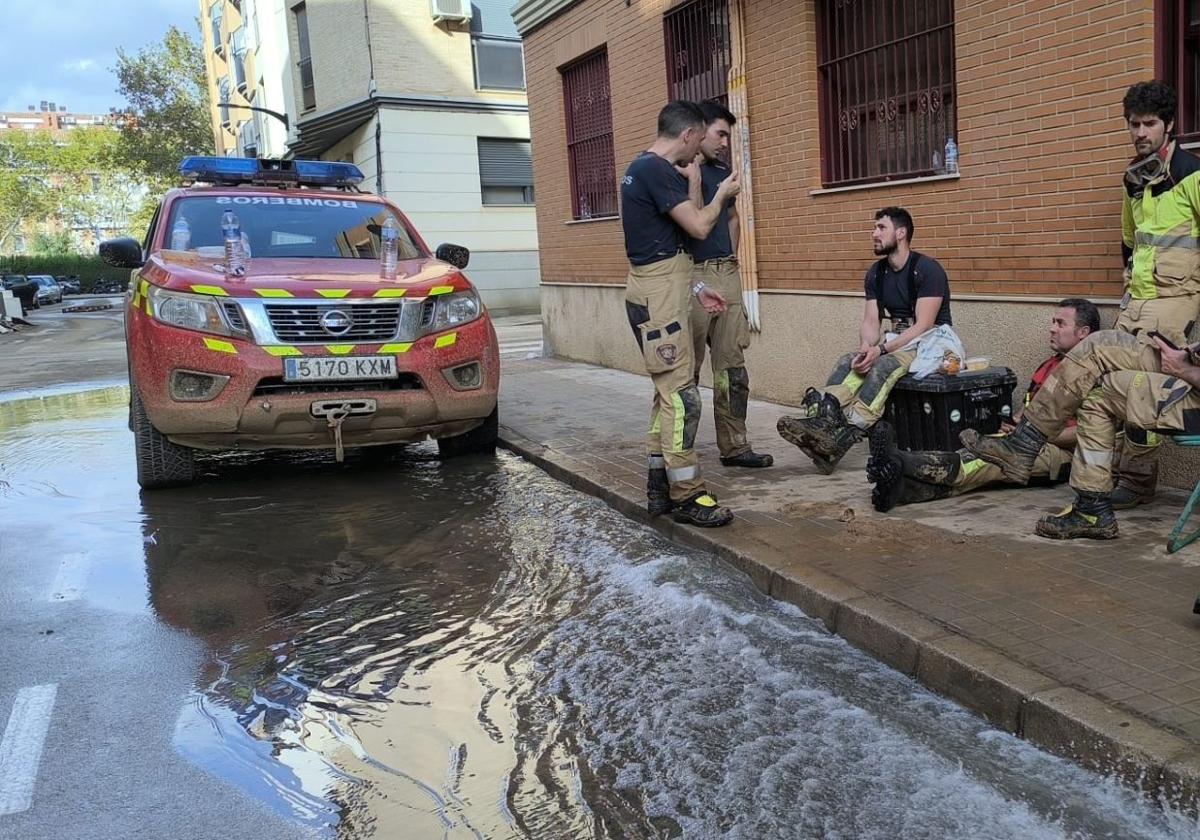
(404, 648)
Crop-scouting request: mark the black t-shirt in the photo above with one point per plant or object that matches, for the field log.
(719, 243)
(898, 291)
(650, 189)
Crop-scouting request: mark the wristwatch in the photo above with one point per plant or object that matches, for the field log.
(883, 351)
(697, 287)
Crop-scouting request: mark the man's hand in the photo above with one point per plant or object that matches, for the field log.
(1174, 362)
(690, 170)
(729, 188)
(866, 359)
(712, 301)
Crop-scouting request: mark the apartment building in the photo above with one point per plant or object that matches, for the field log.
(427, 97)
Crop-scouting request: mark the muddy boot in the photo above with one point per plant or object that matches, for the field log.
(703, 511)
(824, 435)
(1013, 453)
(749, 458)
(658, 492)
(1134, 490)
(938, 468)
(885, 470)
(1091, 517)
(915, 492)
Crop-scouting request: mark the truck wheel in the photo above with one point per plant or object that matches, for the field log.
(479, 440)
(160, 463)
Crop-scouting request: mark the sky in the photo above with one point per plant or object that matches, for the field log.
(64, 51)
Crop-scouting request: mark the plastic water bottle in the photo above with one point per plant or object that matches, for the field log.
(181, 235)
(389, 249)
(951, 156)
(231, 233)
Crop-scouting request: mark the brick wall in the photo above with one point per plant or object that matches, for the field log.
(1042, 143)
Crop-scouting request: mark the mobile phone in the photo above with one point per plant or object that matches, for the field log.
(1162, 338)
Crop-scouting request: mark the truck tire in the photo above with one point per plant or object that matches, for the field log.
(160, 463)
(480, 440)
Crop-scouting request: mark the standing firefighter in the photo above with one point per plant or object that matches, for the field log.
(658, 215)
(727, 333)
(1160, 226)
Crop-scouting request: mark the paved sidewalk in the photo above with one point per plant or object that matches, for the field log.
(1090, 650)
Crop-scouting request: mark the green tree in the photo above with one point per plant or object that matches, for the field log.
(166, 93)
(26, 187)
(53, 244)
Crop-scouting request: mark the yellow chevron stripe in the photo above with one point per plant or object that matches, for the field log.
(333, 293)
(390, 293)
(395, 348)
(282, 350)
(273, 293)
(440, 290)
(220, 346)
(215, 291)
(445, 340)
(339, 349)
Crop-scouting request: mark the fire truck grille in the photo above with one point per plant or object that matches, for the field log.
(368, 322)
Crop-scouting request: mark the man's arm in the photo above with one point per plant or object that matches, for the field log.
(926, 316)
(735, 228)
(698, 222)
(1178, 363)
(695, 183)
(868, 331)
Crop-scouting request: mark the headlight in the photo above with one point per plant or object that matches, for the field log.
(456, 309)
(191, 312)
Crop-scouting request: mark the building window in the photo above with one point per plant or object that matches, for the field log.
(237, 44)
(496, 46)
(1178, 56)
(586, 97)
(698, 52)
(225, 90)
(308, 94)
(505, 171)
(214, 16)
(887, 91)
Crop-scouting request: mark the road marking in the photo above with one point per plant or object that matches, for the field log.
(21, 746)
(71, 579)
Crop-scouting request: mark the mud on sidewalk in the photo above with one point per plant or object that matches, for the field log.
(1090, 651)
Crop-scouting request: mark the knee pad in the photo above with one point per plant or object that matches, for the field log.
(739, 391)
(690, 397)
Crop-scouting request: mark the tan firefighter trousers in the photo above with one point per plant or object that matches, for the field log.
(726, 336)
(1171, 316)
(864, 398)
(976, 473)
(656, 301)
(1148, 400)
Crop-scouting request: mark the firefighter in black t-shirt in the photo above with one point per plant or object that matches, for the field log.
(658, 214)
(912, 291)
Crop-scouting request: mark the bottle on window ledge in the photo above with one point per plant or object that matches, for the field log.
(951, 156)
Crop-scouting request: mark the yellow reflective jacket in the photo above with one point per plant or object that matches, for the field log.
(1160, 230)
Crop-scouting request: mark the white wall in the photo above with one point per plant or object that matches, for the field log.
(273, 62)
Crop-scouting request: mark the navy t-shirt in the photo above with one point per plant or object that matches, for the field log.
(649, 191)
(719, 243)
(897, 293)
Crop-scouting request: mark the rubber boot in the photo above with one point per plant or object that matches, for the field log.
(702, 511)
(898, 476)
(824, 435)
(939, 468)
(658, 492)
(915, 492)
(1090, 517)
(749, 458)
(1133, 491)
(1013, 453)
(885, 470)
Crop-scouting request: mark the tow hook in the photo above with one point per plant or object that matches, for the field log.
(335, 413)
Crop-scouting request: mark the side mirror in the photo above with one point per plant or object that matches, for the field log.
(457, 255)
(125, 252)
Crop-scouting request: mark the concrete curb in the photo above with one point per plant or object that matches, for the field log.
(1011, 696)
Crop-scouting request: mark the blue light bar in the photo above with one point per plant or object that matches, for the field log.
(235, 170)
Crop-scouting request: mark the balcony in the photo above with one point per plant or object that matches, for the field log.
(308, 93)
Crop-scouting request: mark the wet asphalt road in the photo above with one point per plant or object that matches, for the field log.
(406, 648)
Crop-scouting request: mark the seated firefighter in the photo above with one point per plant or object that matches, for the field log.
(1057, 402)
(902, 478)
(1162, 402)
(912, 291)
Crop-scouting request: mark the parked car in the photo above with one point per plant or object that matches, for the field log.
(23, 289)
(70, 285)
(312, 345)
(48, 289)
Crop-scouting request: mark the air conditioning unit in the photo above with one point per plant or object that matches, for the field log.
(457, 11)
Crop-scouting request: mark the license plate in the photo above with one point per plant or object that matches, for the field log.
(347, 368)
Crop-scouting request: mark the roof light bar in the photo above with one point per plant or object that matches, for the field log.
(234, 170)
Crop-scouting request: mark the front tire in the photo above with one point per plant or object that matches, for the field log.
(480, 440)
(160, 463)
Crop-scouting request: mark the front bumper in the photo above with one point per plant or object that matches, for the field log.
(257, 410)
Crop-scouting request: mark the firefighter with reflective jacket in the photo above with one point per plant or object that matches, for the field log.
(1160, 226)
(658, 215)
(726, 334)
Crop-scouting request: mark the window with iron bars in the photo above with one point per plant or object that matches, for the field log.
(588, 108)
(696, 37)
(888, 101)
(1178, 56)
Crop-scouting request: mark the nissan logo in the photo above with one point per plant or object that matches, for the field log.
(336, 322)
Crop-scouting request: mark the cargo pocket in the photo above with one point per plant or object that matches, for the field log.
(1177, 266)
(662, 346)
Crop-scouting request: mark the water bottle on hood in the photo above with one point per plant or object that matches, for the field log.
(389, 248)
(231, 234)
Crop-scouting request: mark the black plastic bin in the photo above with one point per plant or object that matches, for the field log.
(929, 413)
